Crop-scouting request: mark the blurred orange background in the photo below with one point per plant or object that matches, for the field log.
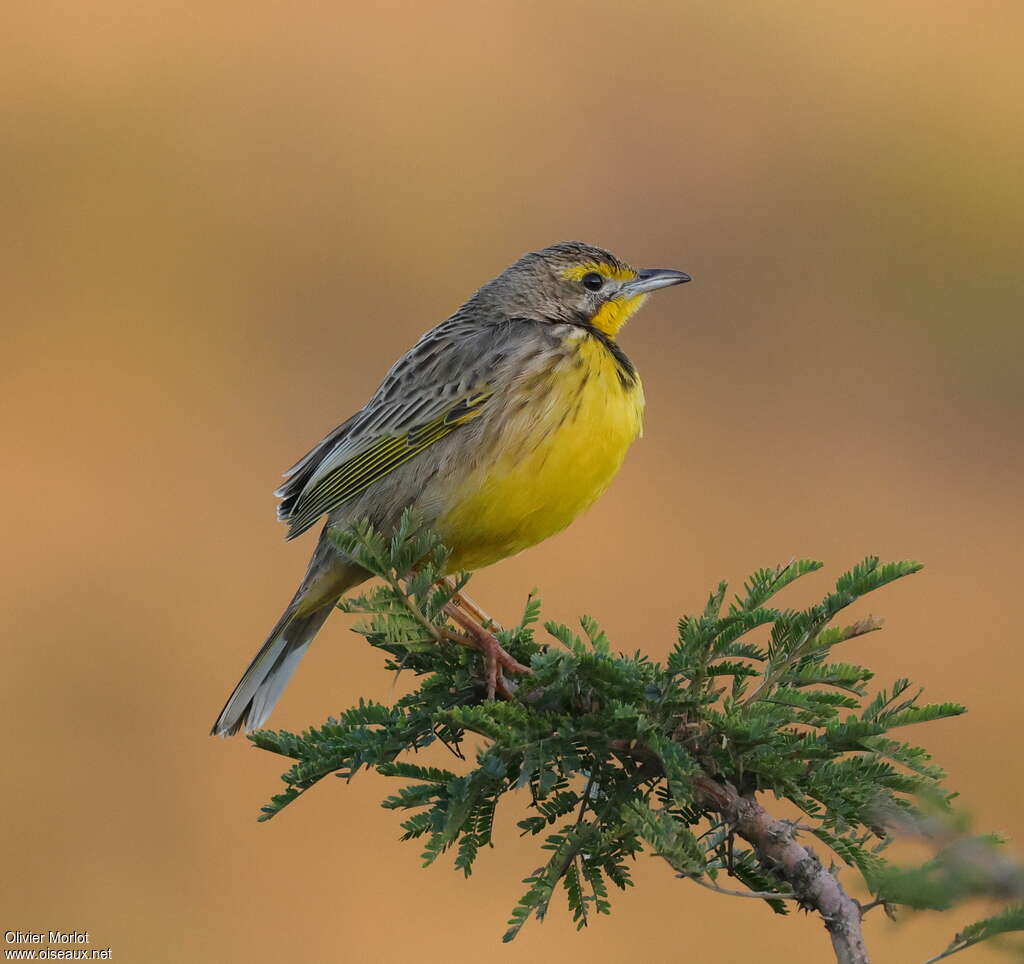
(224, 221)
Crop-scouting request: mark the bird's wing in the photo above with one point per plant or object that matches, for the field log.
(441, 383)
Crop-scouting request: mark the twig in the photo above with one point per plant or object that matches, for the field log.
(453, 749)
(586, 798)
(414, 610)
(864, 908)
(949, 951)
(868, 624)
(758, 894)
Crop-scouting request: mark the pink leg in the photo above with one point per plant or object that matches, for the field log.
(495, 657)
(467, 605)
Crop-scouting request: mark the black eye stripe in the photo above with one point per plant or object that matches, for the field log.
(592, 281)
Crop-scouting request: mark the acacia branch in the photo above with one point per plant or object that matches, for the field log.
(773, 841)
(580, 698)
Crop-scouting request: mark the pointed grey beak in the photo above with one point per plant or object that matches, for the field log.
(651, 279)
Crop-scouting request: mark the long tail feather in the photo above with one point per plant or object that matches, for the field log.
(263, 682)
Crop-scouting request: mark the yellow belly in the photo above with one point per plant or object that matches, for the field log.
(551, 458)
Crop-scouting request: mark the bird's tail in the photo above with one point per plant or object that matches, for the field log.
(261, 685)
(328, 578)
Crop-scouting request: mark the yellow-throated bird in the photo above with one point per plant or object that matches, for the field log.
(499, 426)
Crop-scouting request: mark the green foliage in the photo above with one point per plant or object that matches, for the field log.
(966, 866)
(1009, 919)
(602, 748)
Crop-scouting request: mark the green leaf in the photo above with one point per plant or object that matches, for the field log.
(766, 583)
(1008, 920)
(596, 636)
(667, 837)
(745, 868)
(853, 853)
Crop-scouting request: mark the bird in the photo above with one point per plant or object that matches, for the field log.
(497, 428)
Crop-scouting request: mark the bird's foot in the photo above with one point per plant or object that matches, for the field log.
(496, 658)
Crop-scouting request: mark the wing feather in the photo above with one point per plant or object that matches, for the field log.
(436, 387)
(355, 475)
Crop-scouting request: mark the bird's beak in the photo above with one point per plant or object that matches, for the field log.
(651, 279)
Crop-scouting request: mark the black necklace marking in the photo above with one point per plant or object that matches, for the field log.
(624, 367)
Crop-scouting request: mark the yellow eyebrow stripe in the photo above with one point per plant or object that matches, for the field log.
(576, 272)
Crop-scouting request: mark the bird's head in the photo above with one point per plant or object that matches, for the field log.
(580, 284)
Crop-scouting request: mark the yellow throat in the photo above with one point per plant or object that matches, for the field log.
(552, 456)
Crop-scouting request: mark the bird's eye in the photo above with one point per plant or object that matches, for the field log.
(592, 281)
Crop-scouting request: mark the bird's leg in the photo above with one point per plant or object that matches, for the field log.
(495, 657)
(467, 605)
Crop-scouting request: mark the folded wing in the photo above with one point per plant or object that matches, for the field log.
(441, 384)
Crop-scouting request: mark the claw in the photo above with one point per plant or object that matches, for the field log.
(495, 657)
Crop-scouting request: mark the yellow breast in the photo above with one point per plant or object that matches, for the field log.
(558, 444)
